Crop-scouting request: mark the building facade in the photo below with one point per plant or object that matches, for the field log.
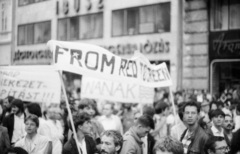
(211, 57)
(122, 26)
(5, 31)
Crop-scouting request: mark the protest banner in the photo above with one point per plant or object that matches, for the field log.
(30, 84)
(115, 91)
(91, 60)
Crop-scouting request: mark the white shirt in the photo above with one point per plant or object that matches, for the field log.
(82, 146)
(216, 132)
(145, 144)
(177, 130)
(56, 134)
(111, 123)
(38, 145)
(44, 128)
(19, 128)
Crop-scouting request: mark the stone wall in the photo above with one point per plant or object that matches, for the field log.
(195, 47)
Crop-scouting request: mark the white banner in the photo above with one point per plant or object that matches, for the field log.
(91, 60)
(116, 91)
(35, 85)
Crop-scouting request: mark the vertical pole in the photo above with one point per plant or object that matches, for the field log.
(69, 111)
(173, 105)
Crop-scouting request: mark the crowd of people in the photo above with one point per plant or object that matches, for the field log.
(202, 124)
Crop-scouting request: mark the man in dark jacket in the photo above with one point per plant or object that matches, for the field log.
(15, 121)
(85, 143)
(194, 137)
(217, 117)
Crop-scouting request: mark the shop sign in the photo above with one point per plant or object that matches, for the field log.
(148, 47)
(32, 57)
(224, 45)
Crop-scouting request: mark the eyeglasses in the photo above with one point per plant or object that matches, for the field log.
(225, 148)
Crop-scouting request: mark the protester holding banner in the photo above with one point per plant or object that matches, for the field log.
(85, 143)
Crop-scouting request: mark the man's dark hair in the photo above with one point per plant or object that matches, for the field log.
(160, 107)
(18, 103)
(146, 121)
(116, 135)
(34, 108)
(216, 113)
(148, 110)
(80, 119)
(194, 104)
(32, 117)
(85, 102)
(16, 150)
(10, 99)
(211, 143)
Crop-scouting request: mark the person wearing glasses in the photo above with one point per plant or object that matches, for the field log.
(216, 145)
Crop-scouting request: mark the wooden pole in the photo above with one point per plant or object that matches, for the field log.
(69, 111)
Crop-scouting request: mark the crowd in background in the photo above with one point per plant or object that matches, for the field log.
(201, 124)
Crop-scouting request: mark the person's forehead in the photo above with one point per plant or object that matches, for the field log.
(228, 118)
(190, 108)
(108, 106)
(106, 138)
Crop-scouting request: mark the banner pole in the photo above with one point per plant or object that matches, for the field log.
(174, 109)
(69, 111)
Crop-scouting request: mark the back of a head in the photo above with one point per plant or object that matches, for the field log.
(148, 110)
(10, 99)
(34, 108)
(146, 121)
(18, 103)
(160, 107)
(169, 144)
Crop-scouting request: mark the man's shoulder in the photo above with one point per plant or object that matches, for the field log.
(201, 133)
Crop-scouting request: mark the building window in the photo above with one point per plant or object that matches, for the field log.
(26, 2)
(141, 20)
(225, 15)
(91, 26)
(81, 27)
(34, 33)
(3, 17)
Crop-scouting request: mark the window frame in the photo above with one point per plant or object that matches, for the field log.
(20, 5)
(33, 35)
(212, 17)
(138, 20)
(79, 29)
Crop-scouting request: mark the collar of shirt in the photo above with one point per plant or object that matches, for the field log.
(21, 117)
(82, 145)
(216, 132)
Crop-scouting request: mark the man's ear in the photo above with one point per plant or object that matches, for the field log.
(117, 148)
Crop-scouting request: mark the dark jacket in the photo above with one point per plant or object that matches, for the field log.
(151, 143)
(198, 141)
(8, 122)
(71, 147)
(235, 142)
(4, 140)
(210, 133)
